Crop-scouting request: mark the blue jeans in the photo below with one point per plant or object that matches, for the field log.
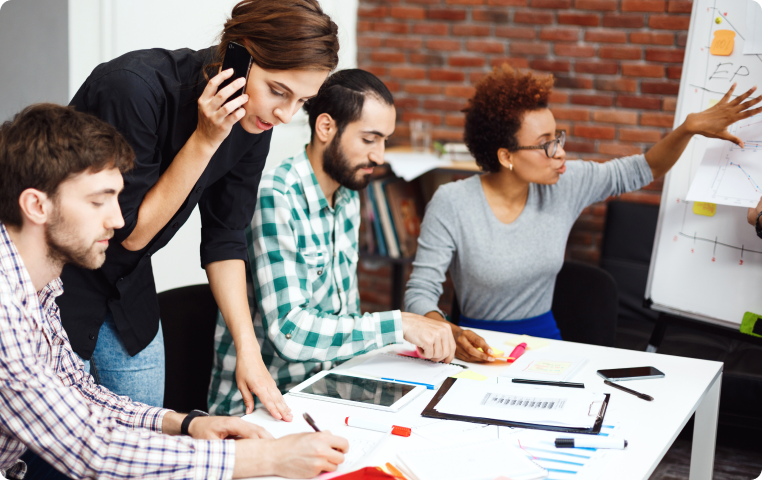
(140, 377)
(39, 469)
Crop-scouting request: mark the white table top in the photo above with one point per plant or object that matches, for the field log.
(649, 427)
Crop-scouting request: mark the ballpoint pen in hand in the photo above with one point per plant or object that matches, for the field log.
(632, 392)
(310, 421)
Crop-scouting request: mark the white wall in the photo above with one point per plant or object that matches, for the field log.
(33, 54)
(100, 30)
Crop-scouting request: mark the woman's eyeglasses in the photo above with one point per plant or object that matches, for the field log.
(550, 147)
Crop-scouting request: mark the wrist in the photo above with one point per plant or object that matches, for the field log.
(202, 144)
(186, 424)
(171, 423)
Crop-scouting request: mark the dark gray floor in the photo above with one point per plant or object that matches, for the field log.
(729, 463)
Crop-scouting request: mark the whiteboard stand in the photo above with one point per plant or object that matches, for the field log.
(666, 319)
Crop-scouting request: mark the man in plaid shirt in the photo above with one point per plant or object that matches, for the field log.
(60, 174)
(303, 251)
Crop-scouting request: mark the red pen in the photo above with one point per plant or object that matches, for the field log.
(517, 352)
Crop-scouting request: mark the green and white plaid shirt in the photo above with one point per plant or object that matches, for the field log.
(304, 299)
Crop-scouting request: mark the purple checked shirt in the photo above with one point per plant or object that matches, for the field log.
(51, 406)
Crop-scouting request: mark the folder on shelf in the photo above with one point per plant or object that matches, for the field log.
(593, 410)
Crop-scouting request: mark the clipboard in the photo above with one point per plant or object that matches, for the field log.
(430, 412)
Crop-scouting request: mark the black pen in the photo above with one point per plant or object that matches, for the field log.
(633, 392)
(310, 421)
(552, 384)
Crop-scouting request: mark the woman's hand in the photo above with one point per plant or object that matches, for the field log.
(215, 120)
(252, 376)
(714, 121)
(467, 344)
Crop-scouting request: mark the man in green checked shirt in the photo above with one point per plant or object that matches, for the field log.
(303, 251)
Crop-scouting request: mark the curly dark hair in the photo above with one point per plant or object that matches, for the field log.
(494, 114)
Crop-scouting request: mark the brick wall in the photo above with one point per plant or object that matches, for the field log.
(617, 65)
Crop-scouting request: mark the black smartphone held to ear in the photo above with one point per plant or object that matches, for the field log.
(237, 58)
(634, 373)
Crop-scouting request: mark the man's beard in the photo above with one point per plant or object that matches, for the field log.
(336, 165)
(63, 245)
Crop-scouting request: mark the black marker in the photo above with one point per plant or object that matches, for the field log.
(632, 392)
(552, 384)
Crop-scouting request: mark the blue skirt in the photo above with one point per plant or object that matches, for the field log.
(540, 326)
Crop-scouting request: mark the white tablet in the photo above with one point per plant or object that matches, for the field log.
(357, 391)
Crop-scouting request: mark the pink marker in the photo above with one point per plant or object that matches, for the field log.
(517, 352)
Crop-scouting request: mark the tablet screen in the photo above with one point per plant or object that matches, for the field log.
(363, 390)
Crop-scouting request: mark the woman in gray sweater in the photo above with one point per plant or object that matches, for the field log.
(503, 234)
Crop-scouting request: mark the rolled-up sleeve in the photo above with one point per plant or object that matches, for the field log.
(227, 206)
(136, 117)
(298, 330)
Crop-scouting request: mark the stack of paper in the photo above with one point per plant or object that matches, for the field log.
(476, 461)
(406, 369)
(545, 366)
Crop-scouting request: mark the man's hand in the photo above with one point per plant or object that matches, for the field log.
(251, 375)
(220, 428)
(432, 337)
(753, 213)
(303, 455)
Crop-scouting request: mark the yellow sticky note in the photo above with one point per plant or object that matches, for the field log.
(495, 352)
(470, 375)
(704, 208)
(533, 343)
(722, 44)
(712, 102)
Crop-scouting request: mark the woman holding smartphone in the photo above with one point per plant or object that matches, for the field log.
(191, 148)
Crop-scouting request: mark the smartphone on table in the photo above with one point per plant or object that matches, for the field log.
(632, 373)
(237, 58)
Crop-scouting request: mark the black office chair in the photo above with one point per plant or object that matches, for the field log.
(628, 240)
(188, 317)
(584, 305)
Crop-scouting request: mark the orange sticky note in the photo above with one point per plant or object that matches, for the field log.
(723, 42)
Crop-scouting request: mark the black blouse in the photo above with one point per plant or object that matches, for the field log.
(151, 96)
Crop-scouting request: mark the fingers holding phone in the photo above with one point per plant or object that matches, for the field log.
(219, 107)
(215, 117)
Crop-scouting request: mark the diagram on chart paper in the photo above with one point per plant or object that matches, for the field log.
(729, 174)
(707, 259)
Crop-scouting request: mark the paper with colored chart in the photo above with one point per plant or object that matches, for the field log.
(565, 463)
(541, 365)
(484, 460)
(729, 174)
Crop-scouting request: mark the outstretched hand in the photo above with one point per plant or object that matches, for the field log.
(714, 121)
(252, 377)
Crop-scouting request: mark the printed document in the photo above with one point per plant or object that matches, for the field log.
(556, 406)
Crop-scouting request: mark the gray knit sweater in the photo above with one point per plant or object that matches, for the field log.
(508, 271)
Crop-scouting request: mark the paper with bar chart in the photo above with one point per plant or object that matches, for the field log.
(729, 174)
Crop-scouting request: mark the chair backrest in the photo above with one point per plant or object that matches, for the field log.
(585, 304)
(628, 240)
(188, 318)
